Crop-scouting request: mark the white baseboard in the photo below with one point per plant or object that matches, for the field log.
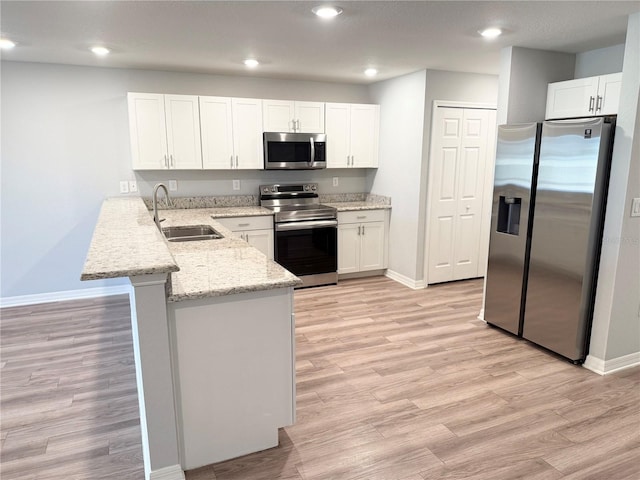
(481, 315)
(409, 282)
(174, 472)
(48, 297)
(605, 367)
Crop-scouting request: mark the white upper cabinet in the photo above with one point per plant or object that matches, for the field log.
(164, 131)
(352, 135)
(584, 97)
(231, 133)
(292, 116)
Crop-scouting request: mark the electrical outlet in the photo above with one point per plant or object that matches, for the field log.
(133, 186)
(335, 181)
(635, 207)
(124, 186)
(236, 184)
(173, 186)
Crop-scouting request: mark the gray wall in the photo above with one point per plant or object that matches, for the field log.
(616, 322)
(407, 107)
(524, 76)
(599, 62)
(402, 103)
(65, 147)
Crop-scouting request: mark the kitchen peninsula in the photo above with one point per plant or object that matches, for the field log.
(213, 332)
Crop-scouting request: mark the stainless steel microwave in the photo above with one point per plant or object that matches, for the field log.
(294, 151)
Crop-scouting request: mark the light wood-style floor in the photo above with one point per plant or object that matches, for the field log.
(393, 384)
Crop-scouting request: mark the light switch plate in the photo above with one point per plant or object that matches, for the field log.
(635, 207)
(133, 186)
(124, 186)
(335, 181)
(236, 184)
(173, 186)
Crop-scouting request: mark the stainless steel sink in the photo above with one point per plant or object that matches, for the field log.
(190, 233)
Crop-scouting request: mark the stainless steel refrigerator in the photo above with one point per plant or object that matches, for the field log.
(549, 196)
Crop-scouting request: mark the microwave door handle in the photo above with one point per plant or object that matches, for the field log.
(313, 152)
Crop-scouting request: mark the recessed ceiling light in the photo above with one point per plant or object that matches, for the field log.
(251, 62)
(371, 72)
(327, 11)
(492, 32)
(6, 44)
(100, 51)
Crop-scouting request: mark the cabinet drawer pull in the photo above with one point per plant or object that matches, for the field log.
(599, 103)
(361, 217)
(244, 224)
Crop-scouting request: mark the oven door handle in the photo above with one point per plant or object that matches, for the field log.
(311, 224)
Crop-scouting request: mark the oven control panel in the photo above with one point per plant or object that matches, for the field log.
(288, 189)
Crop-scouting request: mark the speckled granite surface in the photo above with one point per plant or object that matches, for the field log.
(219, 267)
(227, 212)
(205, 202)
(126, 242)
(355, 206)
(355, 198)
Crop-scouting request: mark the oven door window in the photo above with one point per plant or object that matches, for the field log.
(308, 252)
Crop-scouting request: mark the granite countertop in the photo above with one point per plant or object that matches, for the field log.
(220, 267)
(126, 243)
(355, 206)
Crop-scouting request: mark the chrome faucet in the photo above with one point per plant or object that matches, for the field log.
(155, 202)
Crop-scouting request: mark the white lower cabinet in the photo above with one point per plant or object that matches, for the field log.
(362, 241)
(257, 231)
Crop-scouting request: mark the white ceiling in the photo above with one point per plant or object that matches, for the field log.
(396, 37)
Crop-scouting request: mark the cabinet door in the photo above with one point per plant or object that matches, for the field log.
(609, 94)
(278, 115)
(216, 126)
(147, 131)
(348, 248)
(183, 131)
(372, 246)
(247, 133)
(262, 240)
(573, 98)
(364, 135)
(337, 126)
(309, 117)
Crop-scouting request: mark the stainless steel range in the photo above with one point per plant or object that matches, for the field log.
(306, 232)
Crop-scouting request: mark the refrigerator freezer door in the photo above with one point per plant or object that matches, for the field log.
(515, 159)
(566, 234)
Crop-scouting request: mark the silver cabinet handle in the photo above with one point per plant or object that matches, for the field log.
(353, 161)
(236, 161)
(359, 227)
(231, 164)
(171, 160)
(164, 161)
(362, 229)
(297, 125)
(591, 99)
(599, 103)
(347, 160)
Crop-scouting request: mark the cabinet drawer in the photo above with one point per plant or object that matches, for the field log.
(263, 222)
(361, 216)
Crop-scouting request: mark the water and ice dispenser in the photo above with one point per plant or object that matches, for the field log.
(509, 215)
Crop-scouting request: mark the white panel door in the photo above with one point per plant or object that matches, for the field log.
(262, 240)
(183, 131)
(462, 141)
(348, 248)
(247, 133)
(277, 115)
(147, 129)
(573, 98)
(609, 94)
(216, 126)
(444, 195)
(372, 246)
(337, 126)
(364, 146)
(471, 178)
(309, 117)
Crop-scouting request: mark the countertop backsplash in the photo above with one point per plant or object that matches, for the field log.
(254, 200)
